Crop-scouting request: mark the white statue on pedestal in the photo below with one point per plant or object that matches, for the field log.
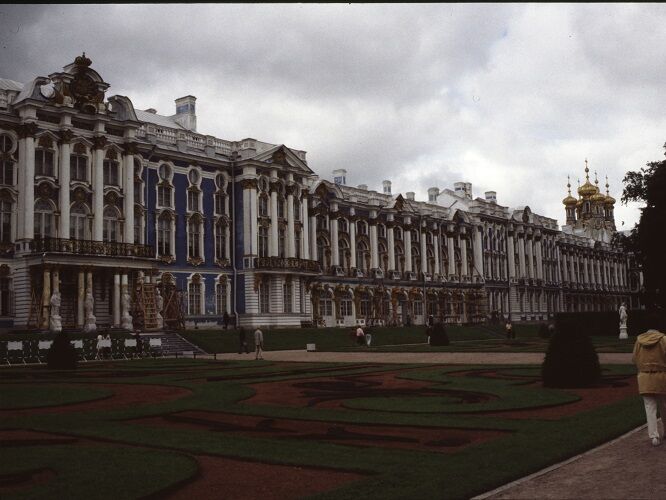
(126, 320)
(623, 321)
(56, 320)
(91, 320)
(159, 305)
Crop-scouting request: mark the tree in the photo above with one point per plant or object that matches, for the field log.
(649, 186)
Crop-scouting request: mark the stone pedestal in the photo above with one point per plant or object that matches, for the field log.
(623, 331)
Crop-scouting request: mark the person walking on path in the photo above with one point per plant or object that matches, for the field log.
(258, 343)
(360, 336)
(242, 341)
(650, 358)
(509, 330)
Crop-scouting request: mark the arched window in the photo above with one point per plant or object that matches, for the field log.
(263, 241)
(264, 302)
(343, 253)
(362, 227)
(220, 240)
(297, 243)
(322, 247)
(5, 221)
(287, 301)
(111, 170)
(397, 234)
(221, 296)
(281, 242)
(79, 222)
(220, 203)
(112, 229)
(45, 157)
(362, 256)
(263, 205)
(164, 234)
(78, 164)
(193, 197)
(44, 219)
(342, 226)
(138, 225)
(416, 259)
(399, 258)
(297, 209)
(194, 237)
(164, 195)
(194, 292)
(383, 256)
(7, 160)
(281, 207)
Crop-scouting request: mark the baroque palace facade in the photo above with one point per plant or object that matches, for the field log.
(97, 196)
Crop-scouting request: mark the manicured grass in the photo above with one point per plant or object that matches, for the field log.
(161, 456)
(35, 396)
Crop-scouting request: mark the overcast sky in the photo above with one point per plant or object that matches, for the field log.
(511, 98)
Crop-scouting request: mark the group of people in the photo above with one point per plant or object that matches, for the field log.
(258, 342)
(103, 351)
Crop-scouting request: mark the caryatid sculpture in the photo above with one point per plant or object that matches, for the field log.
(623, 321)
(88, 305)
(56, 321)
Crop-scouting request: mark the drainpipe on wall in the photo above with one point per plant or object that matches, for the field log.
(234, 156)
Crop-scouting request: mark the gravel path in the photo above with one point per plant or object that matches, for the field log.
(490, 358)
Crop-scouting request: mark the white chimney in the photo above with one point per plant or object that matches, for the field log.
(151, 110)
(340, 176)
(186, 114)
(491, 196)
(433, 193)
(364, 187)
(410, 195)
(386, 185)
(463, 189)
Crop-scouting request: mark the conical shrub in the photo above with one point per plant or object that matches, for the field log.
(571, 361)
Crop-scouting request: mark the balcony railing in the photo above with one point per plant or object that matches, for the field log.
(87, 247)
(287, 263)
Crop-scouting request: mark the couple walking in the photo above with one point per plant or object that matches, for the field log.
(258, 342)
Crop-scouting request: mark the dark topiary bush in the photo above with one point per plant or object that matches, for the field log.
(571, 361)
(543, 331)
(438, 335)
(61, 355)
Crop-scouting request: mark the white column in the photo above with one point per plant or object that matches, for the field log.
(374, 250)
(463, 254)
(530, 256)
(80, 299)
(521, 256)
(29, 188)
(391, 248)
(352, 241)
(435, 241)
(478, 251)
(511, 251)
(291, 241)
(572, 272)
(313, 238)
(123, 290)
(64, 178)
(305, 237)
(273, 240)
(128, 187)
(20, 204)
(98, 192)
(333, 222)
(46, 297)
(558, 278)
(424, 256)
(407, 238)
(452, 255)
(116, 299)
(539, 260)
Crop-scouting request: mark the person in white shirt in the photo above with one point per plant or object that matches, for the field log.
(258, 343)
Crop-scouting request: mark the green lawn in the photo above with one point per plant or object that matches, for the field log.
(139, 459)
(393, 339)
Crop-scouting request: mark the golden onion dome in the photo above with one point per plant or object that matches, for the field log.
(609, 199)
(587, 189)
(598, 196)
(569, 200)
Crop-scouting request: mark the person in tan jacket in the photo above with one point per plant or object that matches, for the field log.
(650, 359)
